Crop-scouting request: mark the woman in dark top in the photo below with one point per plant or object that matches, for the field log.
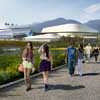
(27, 57)
(45, 64)
(96, 53)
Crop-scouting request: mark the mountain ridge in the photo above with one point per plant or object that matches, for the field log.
(95, 24)
(59, 21)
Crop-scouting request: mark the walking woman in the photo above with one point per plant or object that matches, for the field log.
(45, 64)
(96, 53)
(80, 59)
(27, 57)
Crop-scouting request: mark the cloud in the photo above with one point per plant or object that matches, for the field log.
(84, 17)
(93, 8)
(90, 12)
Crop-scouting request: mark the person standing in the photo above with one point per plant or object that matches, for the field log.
(88, 50)
(80, 59)
(96, 53)
(45, 64)
(27, 57)
(71, 55)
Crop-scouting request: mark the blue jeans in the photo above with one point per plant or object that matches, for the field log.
(71, 66)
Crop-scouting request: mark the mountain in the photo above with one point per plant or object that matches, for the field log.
(95, 24)
(59, 21)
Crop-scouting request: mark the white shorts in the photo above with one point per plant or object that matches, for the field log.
(27, 64)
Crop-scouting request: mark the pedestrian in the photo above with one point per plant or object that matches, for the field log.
(96, 53)
(45, 64)
(88, 50)
(80, 59)
(71, 54)
(27, 57)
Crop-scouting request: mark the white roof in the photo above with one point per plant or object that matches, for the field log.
(69, 28)
(43, 36)
(6, 32)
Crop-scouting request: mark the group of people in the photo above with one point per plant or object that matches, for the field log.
(79, 57)
(28, 61)
(91, 52)
(73, 56)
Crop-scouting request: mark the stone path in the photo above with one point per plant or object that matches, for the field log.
(62, 86)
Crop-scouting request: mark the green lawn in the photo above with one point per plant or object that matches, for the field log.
(9, 64)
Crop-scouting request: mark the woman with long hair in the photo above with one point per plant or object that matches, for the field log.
(96, 53)
(27, 57)
(80, 59)
(45, 64)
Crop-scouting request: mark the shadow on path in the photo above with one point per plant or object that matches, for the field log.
(3, 95)
(91, 74)
(92, 62)
(64, 87)
(12, 87)
(88, 74)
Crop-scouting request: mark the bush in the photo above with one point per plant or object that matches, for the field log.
(4, 77)
(9, 63)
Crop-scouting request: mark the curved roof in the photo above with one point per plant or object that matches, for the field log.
(43, 36)
(69, 28)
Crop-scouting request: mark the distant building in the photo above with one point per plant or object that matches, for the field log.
(72, 30)
(14, 32)
(42, 37)
(6, 34)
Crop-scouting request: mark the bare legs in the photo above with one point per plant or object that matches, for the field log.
(45, 79)
(96, 58)
(27, 72)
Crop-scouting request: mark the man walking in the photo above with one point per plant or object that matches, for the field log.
(88, 50)
(71, 55)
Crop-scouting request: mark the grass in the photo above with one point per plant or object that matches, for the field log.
(9, 64)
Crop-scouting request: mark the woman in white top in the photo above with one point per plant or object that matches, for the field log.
(45, 64)
(80, 59)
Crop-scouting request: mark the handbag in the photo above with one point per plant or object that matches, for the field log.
(33, 70)
(83, 61)
(21, 68)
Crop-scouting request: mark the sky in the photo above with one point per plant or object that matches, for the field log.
(23, 12)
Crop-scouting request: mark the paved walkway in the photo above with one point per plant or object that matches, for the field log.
(62, 86)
